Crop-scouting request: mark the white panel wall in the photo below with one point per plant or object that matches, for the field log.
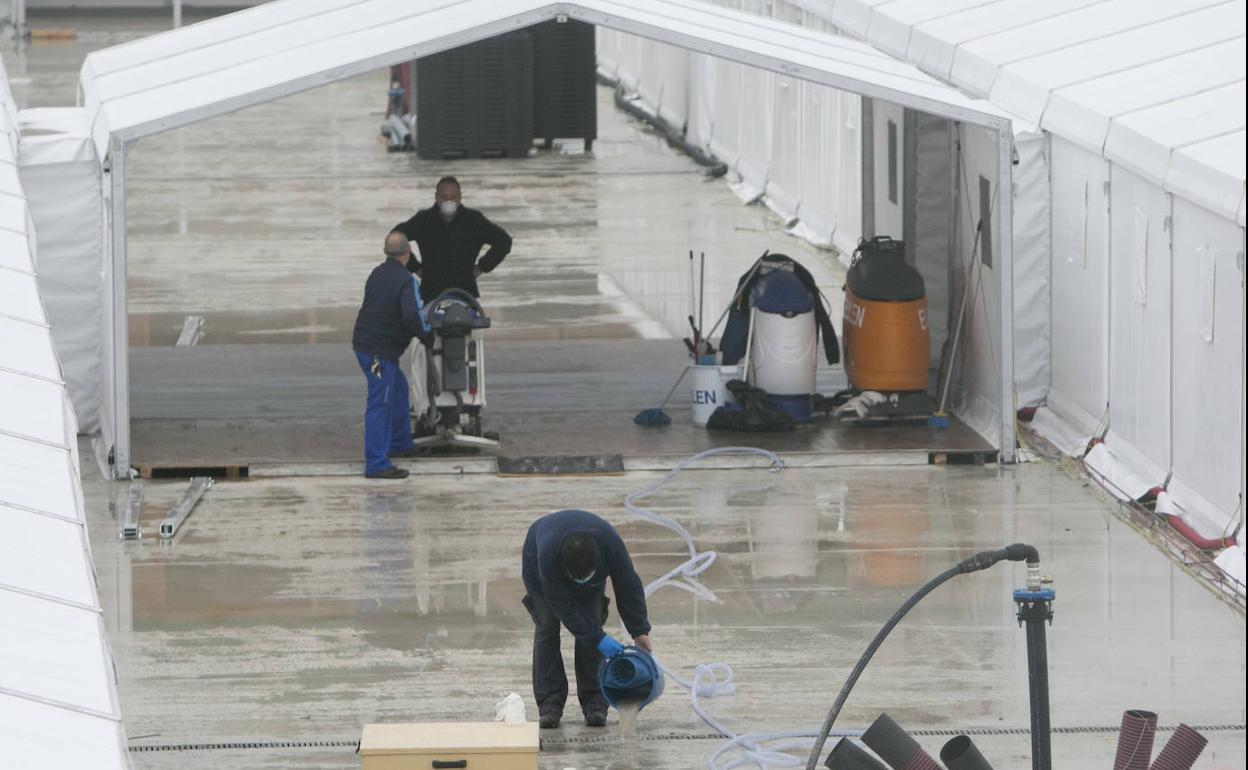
(1139, 326)
(790, 139)
(829, 185)
(1208, 362)
(1080, 291)
(784, 151)
(656, 71)
(977, 398)
(1032, 296)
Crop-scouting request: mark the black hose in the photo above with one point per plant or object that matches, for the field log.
(674, 135)
(982, 560)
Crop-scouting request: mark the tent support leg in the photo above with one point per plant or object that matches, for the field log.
(120, 329)
(1005, 273)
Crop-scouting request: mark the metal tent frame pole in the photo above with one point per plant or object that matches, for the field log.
(119, 330)
(1005, 247)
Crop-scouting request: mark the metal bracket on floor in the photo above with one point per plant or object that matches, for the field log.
(134, 508)
(181, 509)
(192, 331)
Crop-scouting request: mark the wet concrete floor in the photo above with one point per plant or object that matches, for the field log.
(301, 413)
(296, 610)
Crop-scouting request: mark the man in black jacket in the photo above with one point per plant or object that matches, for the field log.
(566, 560)
(450, 236)
(389, 317)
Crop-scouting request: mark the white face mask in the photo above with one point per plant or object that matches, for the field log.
(448, 208)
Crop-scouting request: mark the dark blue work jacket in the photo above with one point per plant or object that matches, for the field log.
(544, 576)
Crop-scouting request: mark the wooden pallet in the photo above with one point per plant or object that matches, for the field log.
(52, 34)
(229, 472)
(963, 457)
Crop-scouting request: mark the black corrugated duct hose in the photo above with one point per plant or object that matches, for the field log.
(961, 753)
(982, 560)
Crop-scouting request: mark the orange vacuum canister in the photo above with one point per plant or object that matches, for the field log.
(886, 340)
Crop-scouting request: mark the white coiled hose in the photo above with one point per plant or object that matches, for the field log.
(710, 680)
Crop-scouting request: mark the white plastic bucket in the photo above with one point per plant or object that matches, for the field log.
(710, 390)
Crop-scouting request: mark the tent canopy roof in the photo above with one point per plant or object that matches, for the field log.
(279, 48)
(1155, 85)
(58, 700)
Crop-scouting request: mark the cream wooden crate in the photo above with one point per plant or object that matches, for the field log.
(446, 745)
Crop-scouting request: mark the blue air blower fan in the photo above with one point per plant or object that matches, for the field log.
(630, 678)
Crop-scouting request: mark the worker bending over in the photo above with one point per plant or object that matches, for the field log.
(567, 558)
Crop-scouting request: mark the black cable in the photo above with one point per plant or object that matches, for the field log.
(982, 560)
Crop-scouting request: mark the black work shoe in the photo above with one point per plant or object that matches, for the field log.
(388, 473)
(548, 720)
(596, 718)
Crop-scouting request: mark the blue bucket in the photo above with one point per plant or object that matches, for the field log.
(630, 677)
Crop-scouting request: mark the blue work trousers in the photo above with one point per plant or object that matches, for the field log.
(386, 423)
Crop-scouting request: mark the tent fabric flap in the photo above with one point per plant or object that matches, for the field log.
(62, 181)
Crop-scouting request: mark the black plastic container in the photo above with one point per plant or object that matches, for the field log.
(476, 100)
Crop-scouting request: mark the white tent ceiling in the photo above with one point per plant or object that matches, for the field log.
(182, 76)
(264, 53)
(1155, 85)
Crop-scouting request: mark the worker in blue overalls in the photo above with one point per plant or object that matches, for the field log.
(390, 316)
(567, 558)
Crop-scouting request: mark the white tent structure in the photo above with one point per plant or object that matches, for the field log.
(1143, 104)
(1130, 324)
(246, 58)
(58, 692)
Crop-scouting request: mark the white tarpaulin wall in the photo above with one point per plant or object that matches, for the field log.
(58, 693)
(1144, 105)
(947, 167)
(773, 147)
(1080, 275)
(979, 360)
(809, 163)
(1032, 289)
(192, 74)
(1207, 336)
(62, 181)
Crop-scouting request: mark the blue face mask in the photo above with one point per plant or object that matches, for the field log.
(584, 580)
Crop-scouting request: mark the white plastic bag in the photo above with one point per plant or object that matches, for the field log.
(510, 710)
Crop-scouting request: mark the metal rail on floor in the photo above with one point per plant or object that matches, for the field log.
(181, 509)
(130, 516)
